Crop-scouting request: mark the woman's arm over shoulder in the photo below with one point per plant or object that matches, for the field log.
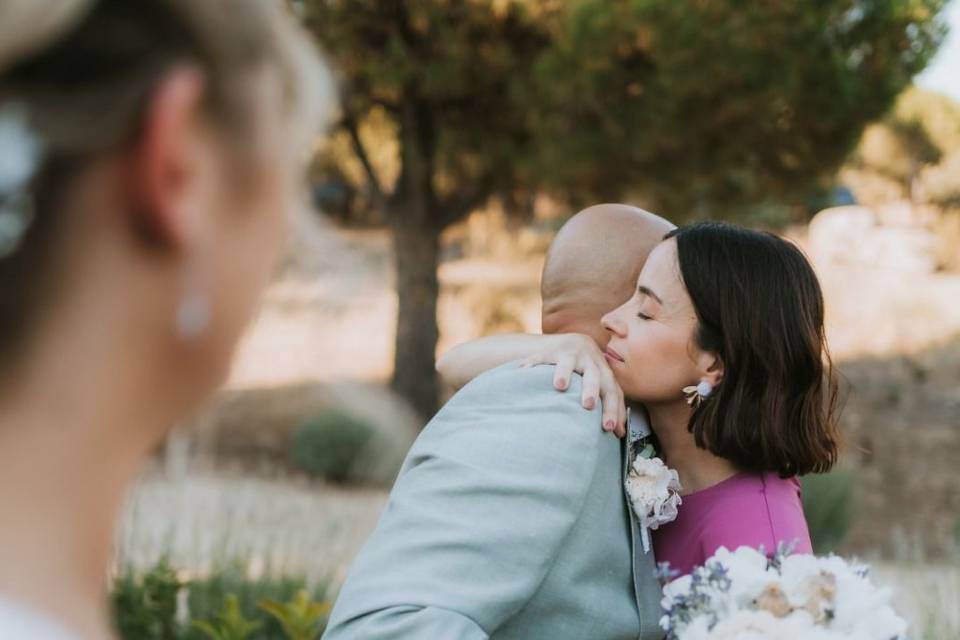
(467, 360)
(570, 352)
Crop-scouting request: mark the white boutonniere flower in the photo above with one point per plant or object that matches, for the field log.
(654, 491)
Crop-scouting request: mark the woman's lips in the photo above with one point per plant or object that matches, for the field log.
(613, 355)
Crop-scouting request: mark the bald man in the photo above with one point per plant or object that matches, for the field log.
(509, 517)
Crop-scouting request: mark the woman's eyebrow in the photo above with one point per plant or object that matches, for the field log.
(648, 292)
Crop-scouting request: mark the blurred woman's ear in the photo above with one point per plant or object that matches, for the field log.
(166, 159)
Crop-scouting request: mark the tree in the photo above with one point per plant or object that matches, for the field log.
(716, 106)
(697, 107)
(449, 78)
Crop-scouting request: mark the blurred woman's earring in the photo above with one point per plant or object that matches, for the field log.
(22, 155)
(193, 313)
(696, 395)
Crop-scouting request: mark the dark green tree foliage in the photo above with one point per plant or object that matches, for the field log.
(698, 107)
(708, 107)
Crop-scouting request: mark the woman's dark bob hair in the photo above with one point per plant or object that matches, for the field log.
(760, 308)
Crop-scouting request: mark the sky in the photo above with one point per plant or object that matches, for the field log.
(943, 74)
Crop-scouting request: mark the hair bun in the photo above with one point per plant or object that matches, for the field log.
(26, 26)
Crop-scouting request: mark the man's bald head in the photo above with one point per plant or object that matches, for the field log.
(593, 264)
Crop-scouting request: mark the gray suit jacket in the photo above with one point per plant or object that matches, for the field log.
(508, 520)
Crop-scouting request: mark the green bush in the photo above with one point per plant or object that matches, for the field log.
(827, 504)
(145, 607)
(302, 618)
(330, 445)
(225, 604)
(207, 597)
(228, 624)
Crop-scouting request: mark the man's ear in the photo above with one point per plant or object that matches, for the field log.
(164, 164)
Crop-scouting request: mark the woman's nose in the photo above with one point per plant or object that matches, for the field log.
(611, 322)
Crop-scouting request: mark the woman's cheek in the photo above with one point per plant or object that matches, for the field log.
(655, 373)
(644, 360)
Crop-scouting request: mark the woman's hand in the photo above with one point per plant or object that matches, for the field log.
(576, 353)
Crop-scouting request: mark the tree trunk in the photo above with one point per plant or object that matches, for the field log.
(416, 248)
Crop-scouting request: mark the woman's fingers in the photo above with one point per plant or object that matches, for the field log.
(564, 371)
(612, 397)
(598, 385)
(591, 386)
(622, 413)
(610, 412)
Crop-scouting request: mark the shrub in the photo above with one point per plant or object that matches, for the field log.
(229, 624)
(302, 618)
(145, 607)
(342, 447)
(827, 504)
(226, 605)
(329, 445)
(209, 596)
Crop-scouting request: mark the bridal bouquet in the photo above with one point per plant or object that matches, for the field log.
(745, 595)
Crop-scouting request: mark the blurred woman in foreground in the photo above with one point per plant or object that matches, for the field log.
(150, 154)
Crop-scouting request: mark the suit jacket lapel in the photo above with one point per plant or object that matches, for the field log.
(638, 428)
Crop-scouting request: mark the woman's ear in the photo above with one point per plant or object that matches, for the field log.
(711, 368)
(164, 163)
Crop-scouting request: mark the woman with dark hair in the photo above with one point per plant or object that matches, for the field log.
(723, 345)
(151, 158)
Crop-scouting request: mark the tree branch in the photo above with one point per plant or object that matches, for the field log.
(350, 124)
(402, 20)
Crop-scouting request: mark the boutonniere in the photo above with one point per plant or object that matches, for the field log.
(654, 491)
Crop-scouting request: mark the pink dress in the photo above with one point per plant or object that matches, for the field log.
(748, 509)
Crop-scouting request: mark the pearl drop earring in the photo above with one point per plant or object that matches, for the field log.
(193, 312)
(697, 394)
(193, 316)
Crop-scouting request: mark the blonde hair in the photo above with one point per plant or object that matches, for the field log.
(83, 70)
(28, 25)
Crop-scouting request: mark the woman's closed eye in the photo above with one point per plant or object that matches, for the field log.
(643, 316)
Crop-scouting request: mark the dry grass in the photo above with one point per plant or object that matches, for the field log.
(277, 526)
(928, 595)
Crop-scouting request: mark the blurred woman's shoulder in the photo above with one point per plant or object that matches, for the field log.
(21, 621)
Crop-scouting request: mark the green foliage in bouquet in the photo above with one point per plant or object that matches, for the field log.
(145, 607)
(330, 445)
(827, 503)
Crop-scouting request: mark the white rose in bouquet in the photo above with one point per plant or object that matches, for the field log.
(747, 596)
